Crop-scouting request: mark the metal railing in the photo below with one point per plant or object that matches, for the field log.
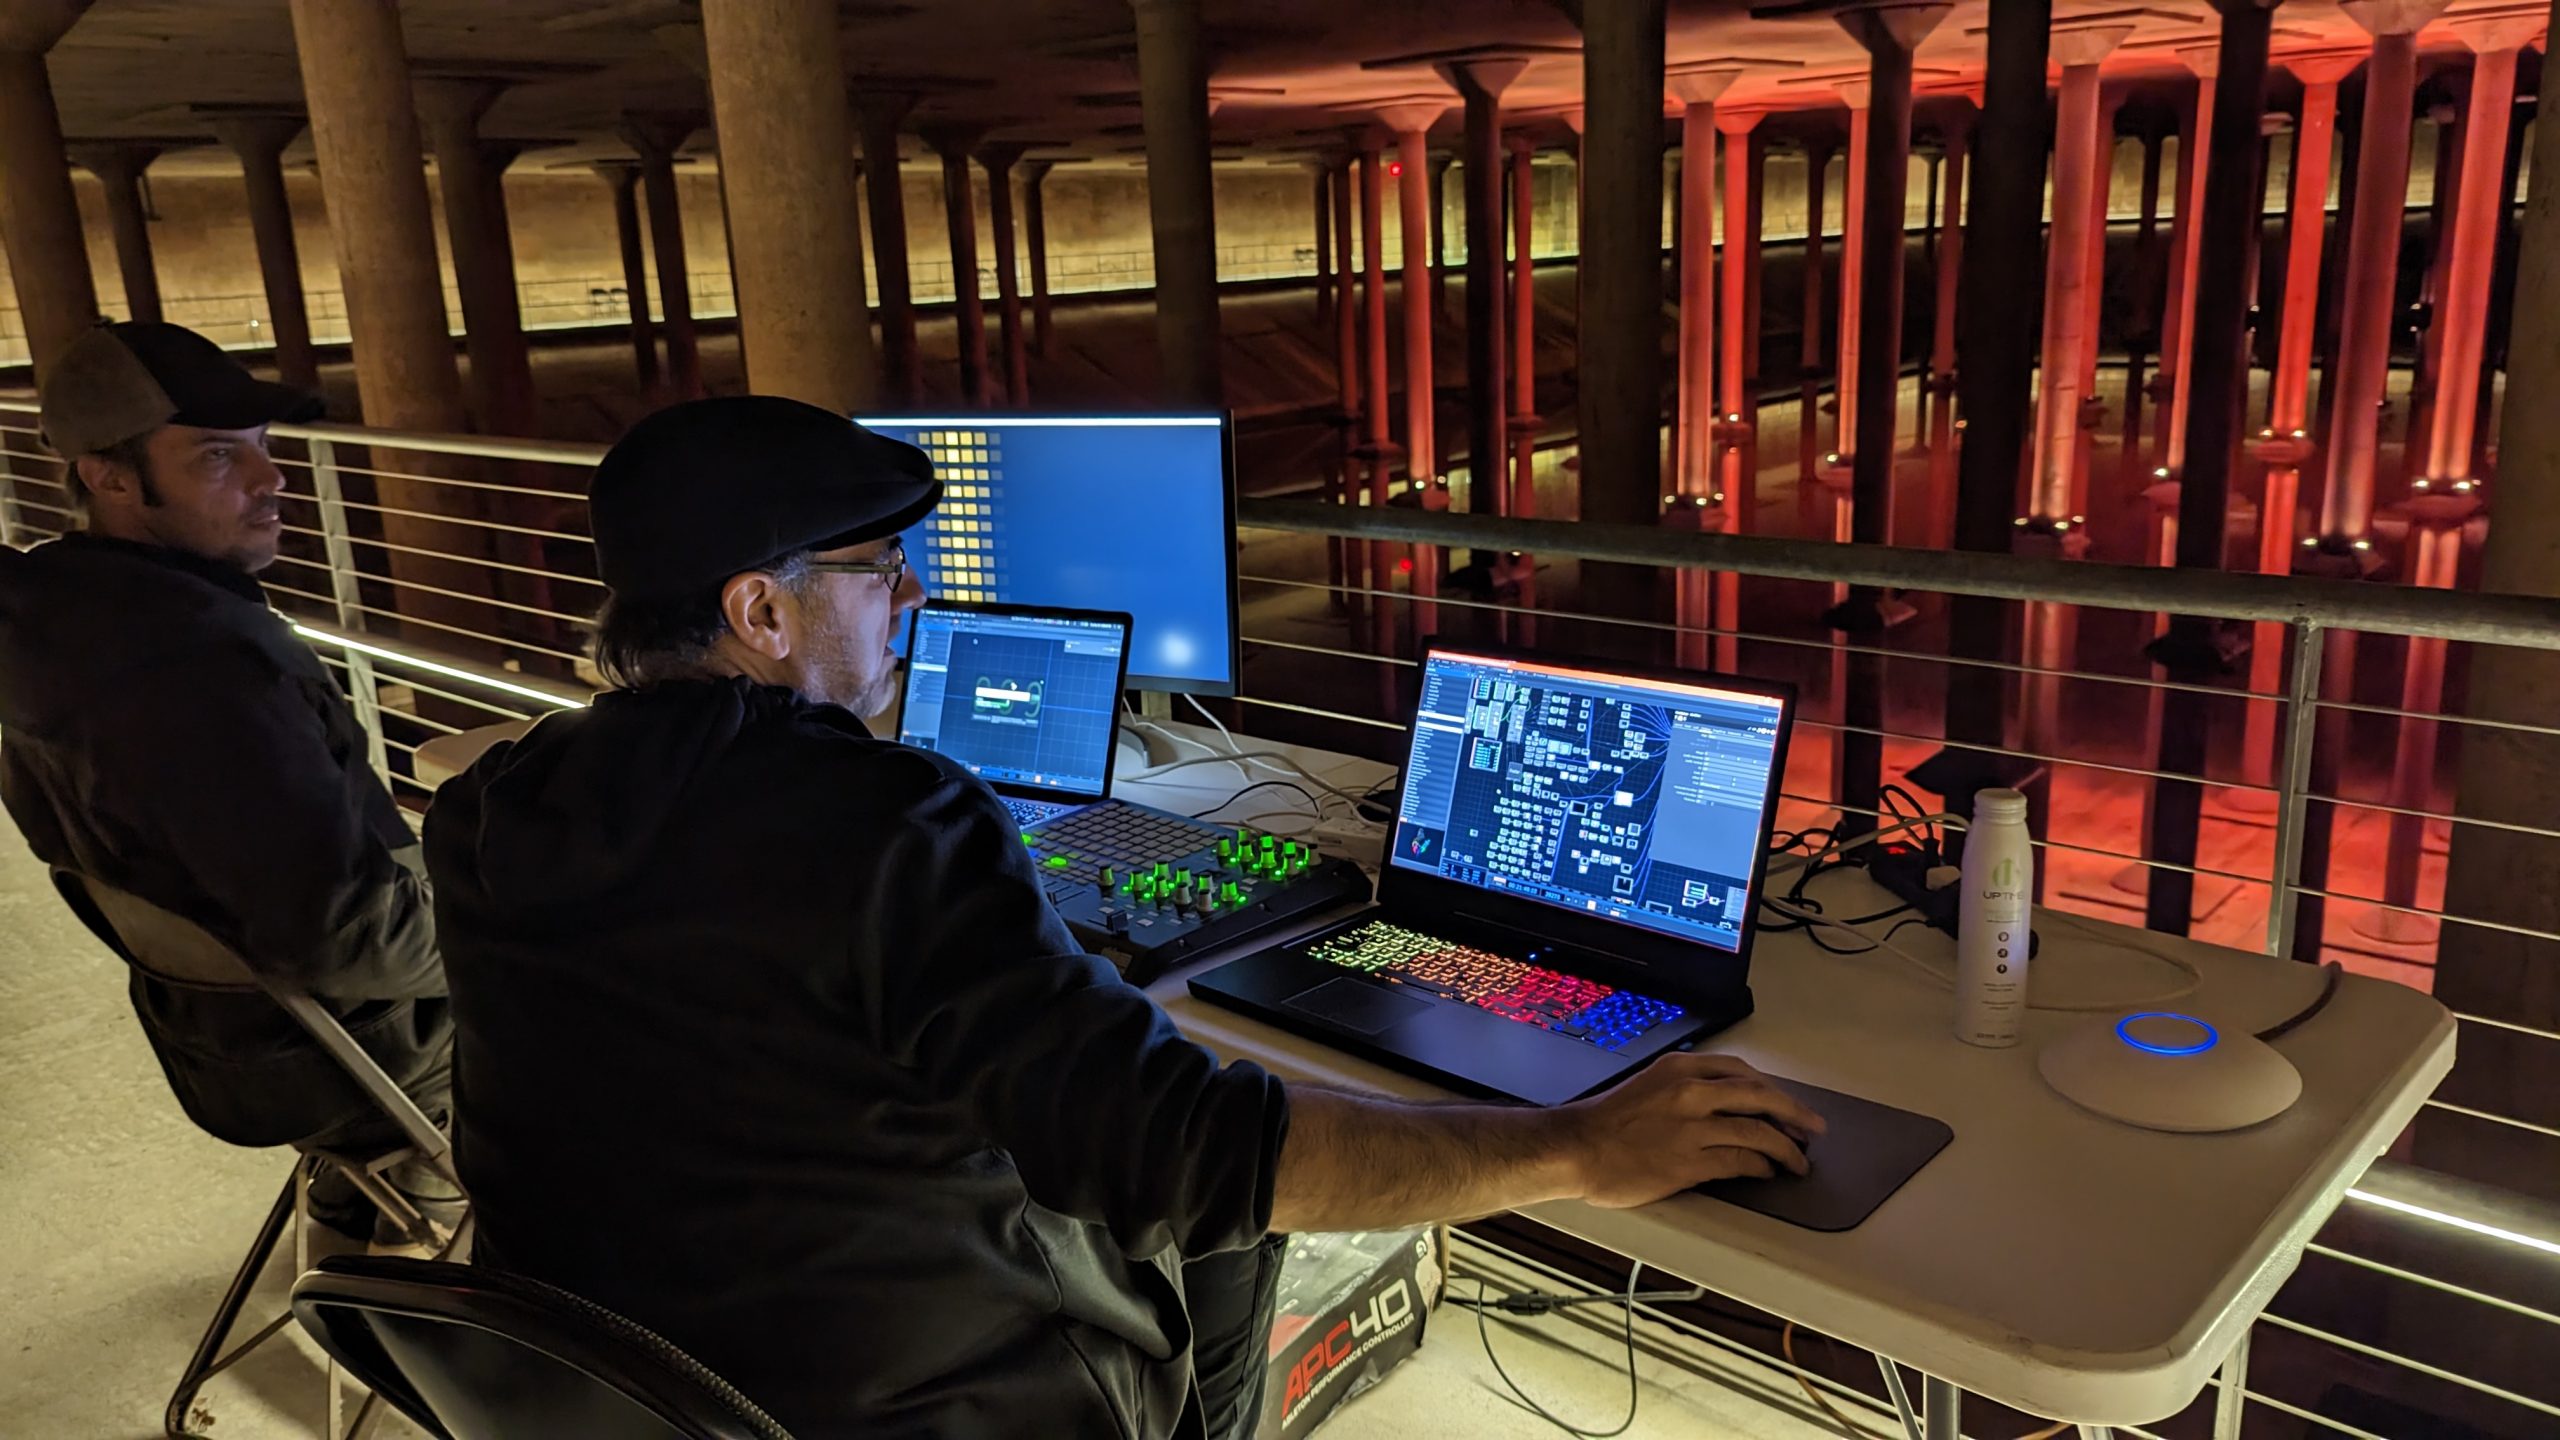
(447, 577)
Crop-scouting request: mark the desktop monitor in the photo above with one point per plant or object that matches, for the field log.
(1130, 513)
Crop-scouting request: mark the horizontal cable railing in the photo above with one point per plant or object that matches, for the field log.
(384, 587)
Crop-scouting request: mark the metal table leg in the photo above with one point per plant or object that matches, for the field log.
(2097, 1432)
(1901, 1397)
(2234, 1397)
(1941, 1404)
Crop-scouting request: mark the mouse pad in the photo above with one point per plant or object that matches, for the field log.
(1866, 1154)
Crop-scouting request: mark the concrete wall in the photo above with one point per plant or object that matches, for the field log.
(569, 264)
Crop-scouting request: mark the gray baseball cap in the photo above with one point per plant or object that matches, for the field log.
(126, 378)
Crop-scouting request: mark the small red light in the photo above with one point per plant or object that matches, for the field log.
(1404, 567)
(1395, 167)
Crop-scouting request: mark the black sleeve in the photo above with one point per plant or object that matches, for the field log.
(1109, 1113)
(297, 845)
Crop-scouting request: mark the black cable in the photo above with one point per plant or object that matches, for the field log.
(2328, 988)
(1303, 794)
(1485, 1336)
(1814, 934)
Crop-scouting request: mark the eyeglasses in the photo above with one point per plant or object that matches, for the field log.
(891, 568)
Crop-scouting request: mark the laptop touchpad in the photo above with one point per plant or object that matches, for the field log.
(1357, 1005)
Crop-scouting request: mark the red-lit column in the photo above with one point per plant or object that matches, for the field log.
(1480, 82)
(2173, 319)
(1345, 305)
(960, 215)
(2373, 262)
(1817, 166)
(1692, 503)
(1376, 449)
(1735, 430)
(1523, 499)
(2286, 442)
(1321, 172)
(999, 160)
(1844, 366)
(2448, 489)
(2446, 117)
(1941, 528)
(1035, 237)
(2178, 334)
(2093, 408)
(1411, 124)
(2079, 50)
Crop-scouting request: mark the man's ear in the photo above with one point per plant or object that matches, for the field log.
(103, 476)
(755, 606)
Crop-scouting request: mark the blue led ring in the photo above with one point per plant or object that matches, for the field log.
(2211, 1036)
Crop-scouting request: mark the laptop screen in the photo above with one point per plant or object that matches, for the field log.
(1023, 698)
(1639, 800)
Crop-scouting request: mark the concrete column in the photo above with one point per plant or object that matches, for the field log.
(955, 144)
(364, 128)
(1345, 305)
(1853, 208)
(1888, 36)
(2093, 408)
(39, 215)
(1320, 172)
(1693, 502)
(2154, 140)
(2178, 342)
(622, 177)
(1035, 227)
(1480, 83)
(2215, 370)
(1410, 122)
(2079, 49)
(469, 172)
(2314, 136)
(1693, 453)
(1940, 530)
(1621, 370)
(999, 160)
(1373, 300)
(1173, 76)
(1737, 420)
(2173, 300)
(259, 138)
(795, 226)
(2446, 117)
(2372, 271)
(1522, 498)
(1440, 163)
(119, 166)
(1817, 165)
(902, 373)
(656, 137)
(2479, 213)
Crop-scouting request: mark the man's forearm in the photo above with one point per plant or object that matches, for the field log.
(1364, 1163)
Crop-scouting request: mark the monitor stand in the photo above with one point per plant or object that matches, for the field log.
(1144, 745)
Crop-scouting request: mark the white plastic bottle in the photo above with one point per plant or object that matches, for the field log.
(1992, 919)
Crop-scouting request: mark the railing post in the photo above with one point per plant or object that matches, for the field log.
(2302, 713)
(343, 588)
(2233, 1402)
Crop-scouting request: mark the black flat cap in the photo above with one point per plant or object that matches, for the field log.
(703, 490)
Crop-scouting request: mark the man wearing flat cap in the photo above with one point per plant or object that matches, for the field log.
(166, 734)
(768, 1038)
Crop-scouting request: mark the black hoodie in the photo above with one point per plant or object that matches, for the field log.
(768, 1038)
(163, 731)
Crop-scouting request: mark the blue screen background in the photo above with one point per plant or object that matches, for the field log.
(1126, 516)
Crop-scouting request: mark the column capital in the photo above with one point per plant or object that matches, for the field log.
(953, 141)
(2204, 60)
(253, 131)
(685, 43)
(30, 27)
(2087, 42)
(1857, 94)
(998, 156)
(2322, 67)
(2499, 27)
(1410, 114)
(875, 106)
(1700, 82)
(1881, 27)
(1487, 76)
(115, 160)
(658, 134)
(1739, 120)
(620, 174)
(456, 102)
(2392, 17)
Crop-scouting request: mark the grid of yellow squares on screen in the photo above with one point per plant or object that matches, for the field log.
(960, 541)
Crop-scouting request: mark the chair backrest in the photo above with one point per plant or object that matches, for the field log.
(474, 1354)
(171, 948)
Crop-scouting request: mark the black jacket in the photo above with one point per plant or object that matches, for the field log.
(768, 1038)
(163, 731)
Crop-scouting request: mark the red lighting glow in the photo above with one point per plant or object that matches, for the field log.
(1395, 167)
(1404, 567)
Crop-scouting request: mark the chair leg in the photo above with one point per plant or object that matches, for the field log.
(202, 1365)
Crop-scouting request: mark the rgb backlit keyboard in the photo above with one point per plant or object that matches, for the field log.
(1531, 994)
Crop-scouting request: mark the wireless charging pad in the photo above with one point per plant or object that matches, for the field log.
(2165, 1071)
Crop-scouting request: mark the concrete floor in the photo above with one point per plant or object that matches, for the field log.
(120, 1223)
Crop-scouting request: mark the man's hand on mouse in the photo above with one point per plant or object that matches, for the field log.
(1681, 1121)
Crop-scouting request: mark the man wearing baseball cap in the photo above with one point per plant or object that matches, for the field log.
(163, 732)
(768, 1038)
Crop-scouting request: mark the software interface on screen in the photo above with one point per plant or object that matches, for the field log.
(1644, 801)
(1019, 699)
(1123, 513)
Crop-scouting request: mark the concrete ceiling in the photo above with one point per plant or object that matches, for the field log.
(1060, 71)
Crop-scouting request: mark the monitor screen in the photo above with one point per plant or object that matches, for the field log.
(1635, 799)
(1020, 698)
(1125, 512)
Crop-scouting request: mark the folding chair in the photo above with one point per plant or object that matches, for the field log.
(177, 951)
(474, 1354)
